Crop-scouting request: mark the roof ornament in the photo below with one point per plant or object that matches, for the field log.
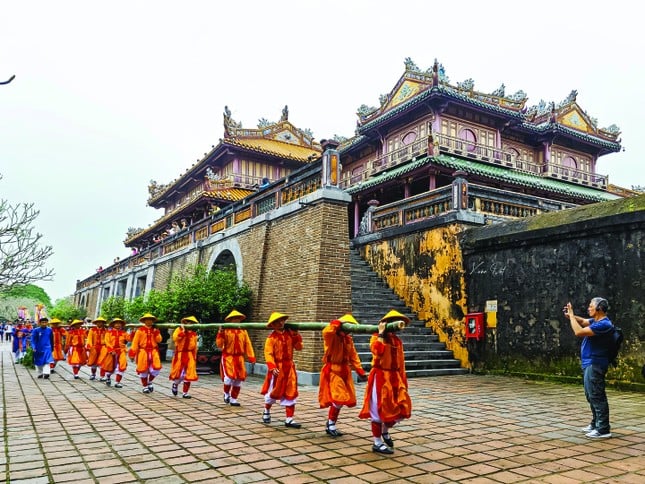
(467, 85)
(285, 113)
(410, 65)
(438, 74)
(230, 125)
(499, 92)
(155, 188)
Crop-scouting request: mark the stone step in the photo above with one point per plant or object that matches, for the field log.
(372, 298)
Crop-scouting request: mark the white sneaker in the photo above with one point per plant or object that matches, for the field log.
(594, 434)
(587, 429)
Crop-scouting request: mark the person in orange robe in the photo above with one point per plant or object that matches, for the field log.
(94, 345)
(235, 344)
(59, 335)
(145, 350)
(336, 384)
(281, 383)
(386, 397)
(113, 357)
(184, 359)
(75, 346)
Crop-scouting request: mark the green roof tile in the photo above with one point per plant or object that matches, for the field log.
(493, 172)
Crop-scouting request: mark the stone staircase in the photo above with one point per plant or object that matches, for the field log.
(371, 300)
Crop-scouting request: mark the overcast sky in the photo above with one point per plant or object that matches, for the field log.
(109, 95)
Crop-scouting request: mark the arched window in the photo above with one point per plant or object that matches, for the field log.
(470, 138)
(409, 138)
(569, 162)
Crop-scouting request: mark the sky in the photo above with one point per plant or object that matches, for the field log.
(110, 95)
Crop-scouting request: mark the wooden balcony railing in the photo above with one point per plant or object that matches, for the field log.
(467, 149)
(492, 202)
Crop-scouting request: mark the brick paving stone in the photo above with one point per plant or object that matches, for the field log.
(475, 429)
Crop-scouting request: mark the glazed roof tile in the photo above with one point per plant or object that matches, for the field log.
(277, 148)
(492, 172)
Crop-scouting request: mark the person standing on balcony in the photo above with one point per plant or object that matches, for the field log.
(184, 359)
(336, 384)
(75, 346)
(58, 334)
(235, 345)
(94, 346)
(387, 401)
(594, 356)
(115, 359)
(145, 351)
(281, 383)
(42, 342)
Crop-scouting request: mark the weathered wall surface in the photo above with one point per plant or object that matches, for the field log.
(425, 269)
(535, 266)
(295, 260)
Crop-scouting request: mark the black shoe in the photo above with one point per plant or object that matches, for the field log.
(333, 432)
(108, 382)
(388, 440)
(266, 418)
(293, 424)
(227, 399)
(382, 449)
(235, 404)
(174, 389)
(40, 376)
(46, 377)
(186, 395)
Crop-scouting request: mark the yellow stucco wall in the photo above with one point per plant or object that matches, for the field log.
(426, 270)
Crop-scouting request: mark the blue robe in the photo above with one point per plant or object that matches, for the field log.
(42, 343)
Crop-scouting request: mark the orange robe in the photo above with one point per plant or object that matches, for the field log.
(145, 349)
(75, 347)
(94, 345)
(336, 383)
(59, 340)
(235, 344)
(185, 355)
(388, 377)
(278, 353)
(113, 354)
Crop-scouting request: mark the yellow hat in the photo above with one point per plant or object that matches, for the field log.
(55, 321)
(189, 319)
(99, 320)
(148, 316)
(75, 322)
(348, 318)
(116, 320)
(234, 315)
(395, 315)
(275, 317)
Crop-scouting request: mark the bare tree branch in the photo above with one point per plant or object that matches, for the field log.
(22, 258)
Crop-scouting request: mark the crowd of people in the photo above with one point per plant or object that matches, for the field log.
(106, 347)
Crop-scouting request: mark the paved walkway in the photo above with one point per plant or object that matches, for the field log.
(467, 429)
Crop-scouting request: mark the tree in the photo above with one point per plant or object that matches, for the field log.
(65, 310)
(113, 307)
(22, 258)
(30, 291)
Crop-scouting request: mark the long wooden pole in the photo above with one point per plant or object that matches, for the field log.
(308, 326)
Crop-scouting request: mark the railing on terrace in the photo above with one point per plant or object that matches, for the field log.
(492, 202)
(467, 149)
(292, 189)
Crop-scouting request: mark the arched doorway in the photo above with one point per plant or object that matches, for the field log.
(225, 260)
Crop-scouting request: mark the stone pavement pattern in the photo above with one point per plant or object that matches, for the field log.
(464, 428)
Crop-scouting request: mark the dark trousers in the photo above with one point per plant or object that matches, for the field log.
(594, 383)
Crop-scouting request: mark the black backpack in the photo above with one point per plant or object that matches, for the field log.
(615, 339)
